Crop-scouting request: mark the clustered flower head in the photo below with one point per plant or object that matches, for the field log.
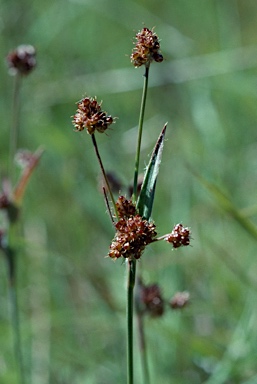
(146, 49)
(22, 60)
(90, 116)
(179, 236)
(151, 299)
(133, 232)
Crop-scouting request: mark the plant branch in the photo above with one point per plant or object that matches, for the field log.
(15, 123)
(140, 130)
(130, 302)
(143, 349)
(104, 173)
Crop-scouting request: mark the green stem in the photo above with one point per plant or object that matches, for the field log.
(11, 262)
(143, 349)
(140, 130)
(103, 172)
(130, 302)
(14, 131)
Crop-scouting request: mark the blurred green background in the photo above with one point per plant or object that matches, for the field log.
(72, 298)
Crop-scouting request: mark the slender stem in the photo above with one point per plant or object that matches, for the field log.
(11, 262)
(14, 131)
(103, 172)
(108, 206)
(130, 302)
(140, 130)
(143, 349)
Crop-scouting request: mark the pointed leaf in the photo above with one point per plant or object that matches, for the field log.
(146, 197)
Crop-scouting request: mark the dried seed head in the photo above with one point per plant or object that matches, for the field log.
(125, 208)
(151, 299)
(133, 232)
(89, 115)
(22, 60)
(179, 236)
(146, 49)
(4, 201)
(179, 300)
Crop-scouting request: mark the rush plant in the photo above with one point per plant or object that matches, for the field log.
(21, 62)
(131, 215)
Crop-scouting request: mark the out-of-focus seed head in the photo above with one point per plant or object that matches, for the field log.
(133, 233)
(113, 180)
(147, 48)
(179, 300)
(22, 60)
(179, 236)
(2, 239)
(90, 116)
(23, 158)
(7, 205)
(151, 301)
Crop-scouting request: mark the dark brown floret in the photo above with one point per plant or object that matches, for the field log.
(133, 232)
(90, 116)
(125, 208)
(146, 49)
(22, 59)
(179, 236)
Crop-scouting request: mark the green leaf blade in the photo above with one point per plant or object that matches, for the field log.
(146, 197)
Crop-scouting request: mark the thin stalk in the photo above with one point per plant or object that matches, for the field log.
(143, 349)
(103, 172)
(11, 263)
(14, 131)
(140, 130)
(130, 302)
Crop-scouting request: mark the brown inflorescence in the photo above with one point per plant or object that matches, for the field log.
(22, 60)
(179, 236)
(90, 116)
(125, 208)
(152, 300)
(146, 49)
(133, 232)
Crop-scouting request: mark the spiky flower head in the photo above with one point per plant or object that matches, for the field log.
(22, 60)
(179, 236)
(91, 117)
(125, 208)
(147, 48)
(133, 233)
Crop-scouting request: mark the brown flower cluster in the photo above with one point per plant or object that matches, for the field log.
(146, 49)
(22, 60)
(151, 298)
(133, 232)
(179, 236)
(90, 116)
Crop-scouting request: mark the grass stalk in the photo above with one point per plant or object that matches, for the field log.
(130, 305)
(142, 348)
(103, 172)
(11, 264)
(140, 130)
(14, 131)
